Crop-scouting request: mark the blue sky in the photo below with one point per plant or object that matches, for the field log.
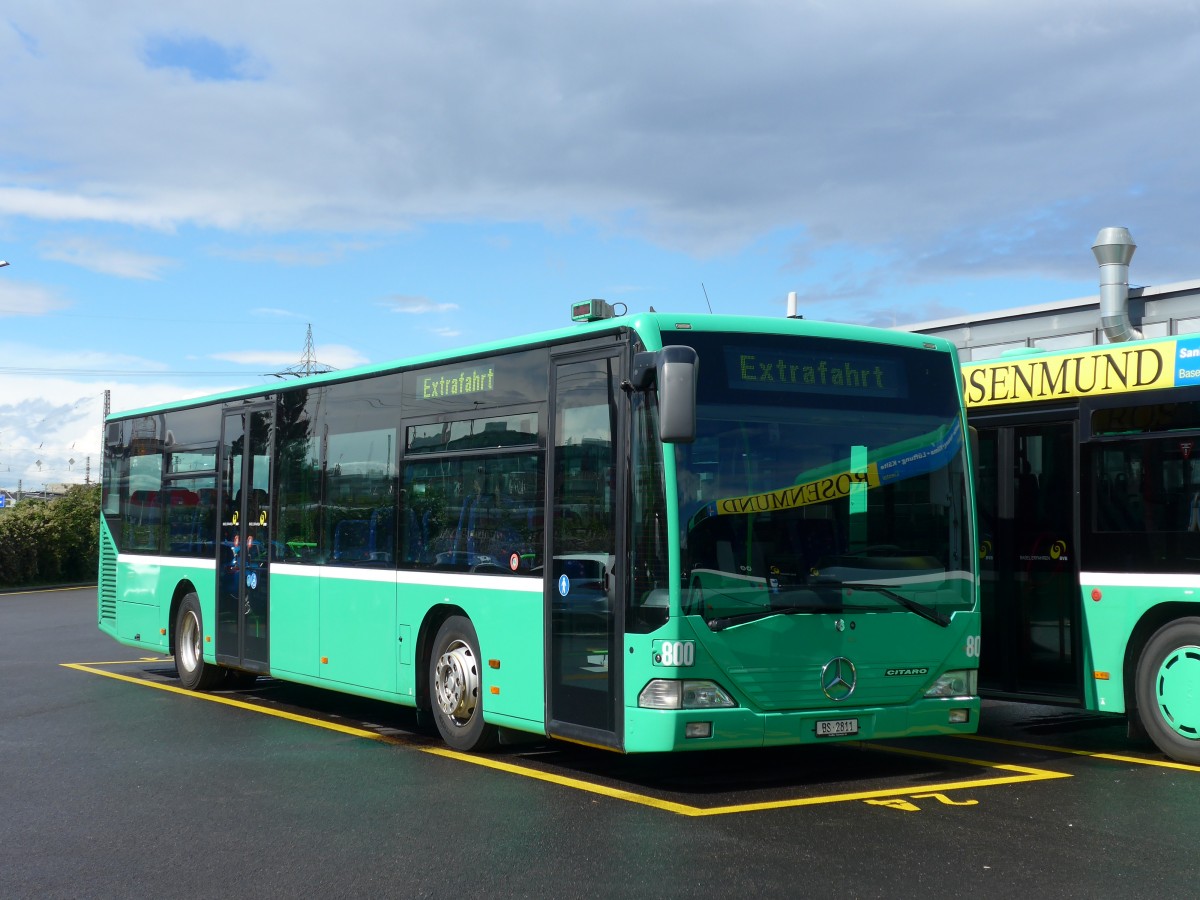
(186, 187)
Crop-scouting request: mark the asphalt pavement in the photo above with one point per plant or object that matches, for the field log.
(115, 783)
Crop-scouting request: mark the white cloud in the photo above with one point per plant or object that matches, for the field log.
(29, 359)
(335, 355)
(18, 298)
(700, 125)
(308, 253)
(417, 305)
(269, 360)
(67, 206)
(54, 420)
(96, 256)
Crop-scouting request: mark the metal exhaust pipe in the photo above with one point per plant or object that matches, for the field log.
(1114, 249)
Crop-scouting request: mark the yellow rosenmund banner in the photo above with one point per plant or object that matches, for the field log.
(819, 491)
(1112, 369)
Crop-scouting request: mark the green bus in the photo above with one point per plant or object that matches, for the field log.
(1088, 494)
(641, 532)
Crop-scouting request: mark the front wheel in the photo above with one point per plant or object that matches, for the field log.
(194, 673)
(1168, 689)
(455, 687)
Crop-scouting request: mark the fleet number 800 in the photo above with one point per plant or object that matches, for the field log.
(675, 653)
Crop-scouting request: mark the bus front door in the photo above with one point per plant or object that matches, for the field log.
(243, 567)
(1026, 489)
(584, 616)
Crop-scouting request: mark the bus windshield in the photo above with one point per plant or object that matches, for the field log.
(826, 476)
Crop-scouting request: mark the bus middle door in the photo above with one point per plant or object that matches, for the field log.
(243, 566)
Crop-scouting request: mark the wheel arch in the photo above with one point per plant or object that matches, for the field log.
(433, 620)
(182, 589)
(1151, 621)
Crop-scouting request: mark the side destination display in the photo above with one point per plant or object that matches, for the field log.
(1112, 369)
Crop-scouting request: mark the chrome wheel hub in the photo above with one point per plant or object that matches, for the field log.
(456, 682)
(189, 642)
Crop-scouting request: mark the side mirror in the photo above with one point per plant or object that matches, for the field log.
(678, 367)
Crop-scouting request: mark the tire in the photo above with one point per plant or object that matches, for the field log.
(1168, 689)
(194, 673)
(456, 688)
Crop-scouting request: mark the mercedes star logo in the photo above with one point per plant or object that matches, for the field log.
(838, 678)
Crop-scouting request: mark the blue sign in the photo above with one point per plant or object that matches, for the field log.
(1187, 362)
(919, 461)
(564, 585)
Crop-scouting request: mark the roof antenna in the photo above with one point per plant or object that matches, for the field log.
(706, 300)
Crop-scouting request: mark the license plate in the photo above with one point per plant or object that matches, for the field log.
(837, 727)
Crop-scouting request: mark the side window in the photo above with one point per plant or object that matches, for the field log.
(189, 512)
(471, 501)
(160, 482)
(584, 477)
(115, 478)
(358, 424)
(298, 518)
(1142, 504)
(142, 521)
(360, 498)
(648, 596)
(189, 493)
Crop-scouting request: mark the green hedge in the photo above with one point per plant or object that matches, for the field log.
(51, 542)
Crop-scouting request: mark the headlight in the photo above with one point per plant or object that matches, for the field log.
(955, 683)
(664, 693)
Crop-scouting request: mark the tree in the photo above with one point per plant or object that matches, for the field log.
(51, 542)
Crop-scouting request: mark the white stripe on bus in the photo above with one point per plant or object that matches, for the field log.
(1141, 579)
(423, 578)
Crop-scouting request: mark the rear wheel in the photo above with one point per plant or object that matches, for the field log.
(194, 673)
(455, 687)
(1168, 689)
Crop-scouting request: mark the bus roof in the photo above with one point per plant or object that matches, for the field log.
(649, 326)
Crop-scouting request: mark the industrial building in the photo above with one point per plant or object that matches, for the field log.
(1152, 312)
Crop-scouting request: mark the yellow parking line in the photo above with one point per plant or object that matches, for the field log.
(229, 701)
(1112, 757)
(49, 590)
(575, 783)
(1022, 774)
(122, 662)
(1019, 774)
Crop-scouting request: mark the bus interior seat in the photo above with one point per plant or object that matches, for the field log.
(351, 540)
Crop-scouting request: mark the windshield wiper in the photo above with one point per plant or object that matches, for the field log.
(925, 612)
(722, 622)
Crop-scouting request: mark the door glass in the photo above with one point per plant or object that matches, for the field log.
(256, 484)
(993, 663)
(1029, 586)
(229, 562)
(583, 546)
(243, 590)
(1046, 584)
